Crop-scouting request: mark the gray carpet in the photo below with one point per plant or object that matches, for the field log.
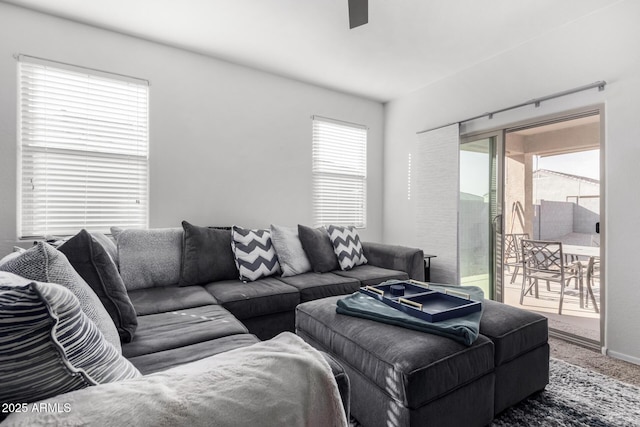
(595, 361)
(577, 397)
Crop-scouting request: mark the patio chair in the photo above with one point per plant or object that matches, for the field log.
(593, 272)
(544, 260)
(513, 253)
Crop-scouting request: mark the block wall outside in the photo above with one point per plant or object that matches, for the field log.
(555, 220)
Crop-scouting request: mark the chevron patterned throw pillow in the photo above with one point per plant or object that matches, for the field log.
(347, 246)
(254, 253)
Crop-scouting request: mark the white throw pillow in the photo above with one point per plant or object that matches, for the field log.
(291, 256)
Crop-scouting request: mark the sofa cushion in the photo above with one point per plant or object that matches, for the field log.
(268, 326)
(291, 256)
(251, 299)
(44, 263)
(148, 258)
(513, 331)
(370, 275)
(347, 246)
(94, 264)
(161, 360)
(206, 255)
(49, 346)
(412, 367)
(254, 253)
(179, 328)
(319, 249)
(169, 298)
(321, 285)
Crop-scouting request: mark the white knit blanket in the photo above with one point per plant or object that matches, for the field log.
(280, 382)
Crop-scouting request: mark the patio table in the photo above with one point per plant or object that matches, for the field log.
(577, 250)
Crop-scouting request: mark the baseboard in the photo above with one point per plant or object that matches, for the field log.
(625, 357)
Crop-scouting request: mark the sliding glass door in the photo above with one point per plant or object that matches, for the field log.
(546, 174)
(553, 193)
(480, 219)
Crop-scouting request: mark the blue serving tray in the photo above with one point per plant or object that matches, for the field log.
(382, 291)
(424, 303)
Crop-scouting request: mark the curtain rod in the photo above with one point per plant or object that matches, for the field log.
(599, 84)
(37, 58)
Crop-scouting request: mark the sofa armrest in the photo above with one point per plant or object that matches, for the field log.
(402, 258)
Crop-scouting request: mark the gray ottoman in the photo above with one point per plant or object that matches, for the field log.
(521, 351)
(401, 377)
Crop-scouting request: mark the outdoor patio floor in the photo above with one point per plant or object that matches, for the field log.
(583, 322)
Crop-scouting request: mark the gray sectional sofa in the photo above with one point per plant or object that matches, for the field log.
(179, 324)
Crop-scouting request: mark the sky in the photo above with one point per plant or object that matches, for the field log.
(474, 173)
(474, 168)
(584, 163)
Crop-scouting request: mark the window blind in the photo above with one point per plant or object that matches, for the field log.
(83, 149)
(436, 197)
(339, 173)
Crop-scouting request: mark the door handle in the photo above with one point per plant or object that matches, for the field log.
(497, 223)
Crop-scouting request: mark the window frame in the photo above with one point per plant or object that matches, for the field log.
(339, 166)
(84, 135)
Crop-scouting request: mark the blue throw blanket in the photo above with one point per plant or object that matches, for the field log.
(461, 329)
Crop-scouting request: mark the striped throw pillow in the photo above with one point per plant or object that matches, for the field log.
(48, 346)
(254, 253)
(347, 246)
(44, 263)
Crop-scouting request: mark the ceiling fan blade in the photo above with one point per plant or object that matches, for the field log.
(358, 13)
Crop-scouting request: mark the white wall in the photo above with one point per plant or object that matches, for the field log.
(229, 145)
(601, 46)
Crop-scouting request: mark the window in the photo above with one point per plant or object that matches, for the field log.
(83, 150)
(339, 173)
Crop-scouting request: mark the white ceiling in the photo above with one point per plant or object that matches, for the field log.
(407, 44)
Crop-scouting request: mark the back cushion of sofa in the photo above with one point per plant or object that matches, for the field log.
(149, 258)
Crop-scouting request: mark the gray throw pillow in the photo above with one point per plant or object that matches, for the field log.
(44, 263)
(13, 254)
(94, 264)
(206, 255)
(291, 256)
(149, 258)
(318, 248)
(109, 245)
(49, 346)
